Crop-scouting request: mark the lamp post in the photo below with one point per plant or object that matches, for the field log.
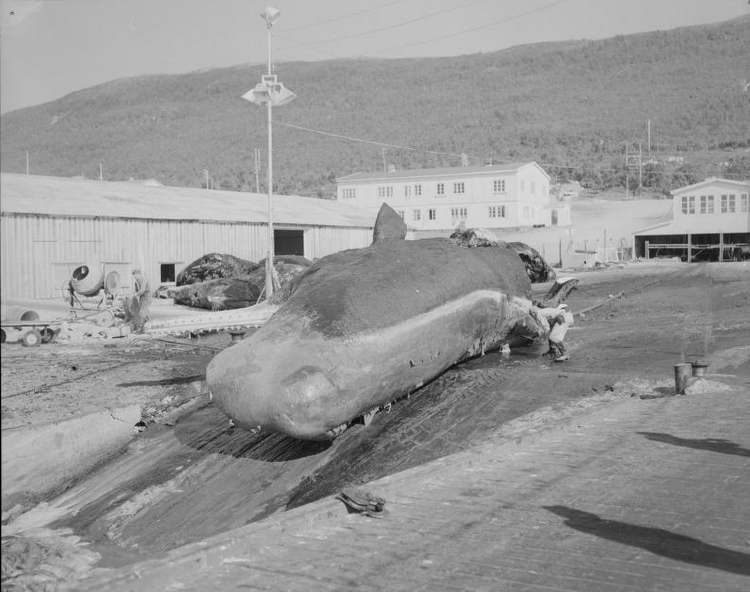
(269, 92)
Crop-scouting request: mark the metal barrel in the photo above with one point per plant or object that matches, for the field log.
(682, 375)
(87, 280)
(19, 313)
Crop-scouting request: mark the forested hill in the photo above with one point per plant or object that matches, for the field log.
(571, 106)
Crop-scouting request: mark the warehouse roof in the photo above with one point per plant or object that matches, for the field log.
(58, 196)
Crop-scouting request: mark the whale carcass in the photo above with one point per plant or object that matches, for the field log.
(363, 327)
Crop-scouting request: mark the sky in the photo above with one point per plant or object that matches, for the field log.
(50, 48)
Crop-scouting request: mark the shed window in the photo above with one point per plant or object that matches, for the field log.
(728, 204)
(688, 204)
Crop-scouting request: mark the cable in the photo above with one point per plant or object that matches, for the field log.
(492, 24)
(389, 27)
(340, 18)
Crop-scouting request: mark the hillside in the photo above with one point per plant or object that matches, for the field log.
(570, 106)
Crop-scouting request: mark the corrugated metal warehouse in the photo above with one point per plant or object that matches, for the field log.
(52, 225)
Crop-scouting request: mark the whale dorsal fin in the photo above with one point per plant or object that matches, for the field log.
(388, 225)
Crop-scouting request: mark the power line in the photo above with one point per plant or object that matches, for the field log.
(389, 27)
(425, 17)
(341, 18)
(444, 153)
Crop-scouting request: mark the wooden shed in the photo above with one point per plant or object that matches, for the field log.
(52, 225)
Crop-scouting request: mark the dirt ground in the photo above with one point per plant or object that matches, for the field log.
(188, 475)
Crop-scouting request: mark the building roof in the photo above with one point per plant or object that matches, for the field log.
(440, 172)
(58, 196)
(741, 185)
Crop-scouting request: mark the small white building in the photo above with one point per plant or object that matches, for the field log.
(711, 222)
(51, 225)
(493, 197)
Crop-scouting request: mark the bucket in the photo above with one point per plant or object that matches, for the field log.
(699, 369)
(18, 313)
(682, 376)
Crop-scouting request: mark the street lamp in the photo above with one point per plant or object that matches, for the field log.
(270, 92)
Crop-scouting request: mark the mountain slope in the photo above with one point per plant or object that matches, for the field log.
(572, 103)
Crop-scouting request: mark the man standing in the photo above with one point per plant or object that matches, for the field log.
(141, 301)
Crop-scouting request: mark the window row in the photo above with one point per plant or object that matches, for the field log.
(704, 204)
(456, 213)
(458, 187)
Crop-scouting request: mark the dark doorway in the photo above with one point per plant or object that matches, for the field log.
(289, 242)
(166, 272)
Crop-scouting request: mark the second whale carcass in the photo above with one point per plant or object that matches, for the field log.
(364, 327)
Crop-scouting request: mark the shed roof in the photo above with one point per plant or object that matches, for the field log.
(440, 172)
(714, 181)
(58, 196)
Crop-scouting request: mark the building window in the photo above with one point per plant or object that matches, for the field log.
(458, 188)
(348, 193)
(407, 190)
(441, 188)
(709, 204)
(385, 191)
(417, 190)
(416, 215)
(728, 204)
(533, 187)
(458, 213)
(496, 212)
(401, 213)
(744, 203)
(498, 185)
(688, 204)
(432, 214)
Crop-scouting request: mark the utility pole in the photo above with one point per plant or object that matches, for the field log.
(640, 170)
(385, 165)
(256, 168)
(633, 161)
(627, 171)
(649, 137)
(101, 172)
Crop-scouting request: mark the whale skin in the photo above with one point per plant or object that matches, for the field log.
(364, 327)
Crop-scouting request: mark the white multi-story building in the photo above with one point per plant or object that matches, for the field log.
(493, 196)
(711, 222)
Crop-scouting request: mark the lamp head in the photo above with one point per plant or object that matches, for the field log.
(270, 15)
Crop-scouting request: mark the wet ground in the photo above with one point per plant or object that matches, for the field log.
(190, 475)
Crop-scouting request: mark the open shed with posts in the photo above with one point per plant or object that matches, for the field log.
(711, 222)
